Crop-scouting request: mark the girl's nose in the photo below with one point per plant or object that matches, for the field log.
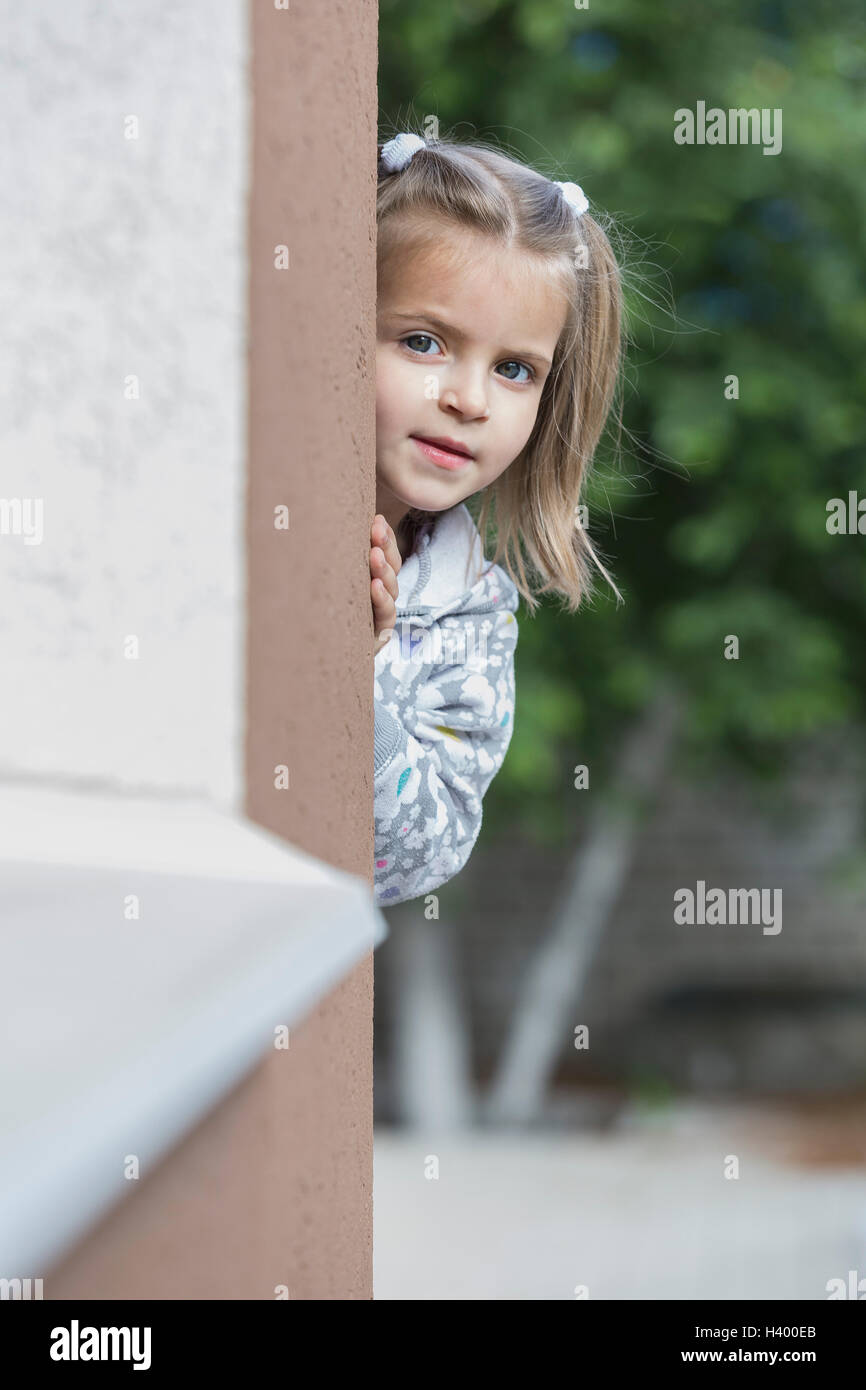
(466, 392)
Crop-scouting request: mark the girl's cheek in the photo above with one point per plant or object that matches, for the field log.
(524, 427)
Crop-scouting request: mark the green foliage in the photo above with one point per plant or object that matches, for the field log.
(713, 518)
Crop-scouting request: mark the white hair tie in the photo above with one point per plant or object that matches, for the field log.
(397, 153)
(574, 196)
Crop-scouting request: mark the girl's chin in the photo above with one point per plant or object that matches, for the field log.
(429, 499)
(426, 494)
(425, 489)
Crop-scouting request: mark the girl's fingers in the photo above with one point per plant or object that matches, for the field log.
(382, 535)
(383, 602)
(384, 613)
(385, 563)
(392, 554)
(380, 569)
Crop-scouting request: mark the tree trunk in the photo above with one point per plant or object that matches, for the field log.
(547, 1010)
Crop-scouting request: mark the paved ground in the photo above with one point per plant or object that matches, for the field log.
(645, 1212)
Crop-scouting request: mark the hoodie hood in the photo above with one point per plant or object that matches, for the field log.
(435, 580)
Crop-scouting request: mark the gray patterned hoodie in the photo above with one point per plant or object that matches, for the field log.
(444, 708)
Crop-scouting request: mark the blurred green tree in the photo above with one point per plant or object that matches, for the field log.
(713, 518)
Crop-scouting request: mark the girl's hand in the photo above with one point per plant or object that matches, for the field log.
(385, 565)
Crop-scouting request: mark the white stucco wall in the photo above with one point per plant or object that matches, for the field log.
(124, 258)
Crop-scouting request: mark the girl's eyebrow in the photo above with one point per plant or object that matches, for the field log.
(444, 327)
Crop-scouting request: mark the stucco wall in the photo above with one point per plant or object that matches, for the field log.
(130, 255)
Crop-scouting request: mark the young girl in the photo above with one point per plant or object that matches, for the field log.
(498, 351)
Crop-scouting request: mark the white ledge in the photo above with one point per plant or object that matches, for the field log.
(118, 1035)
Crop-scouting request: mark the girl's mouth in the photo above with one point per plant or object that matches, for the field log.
(440, 455)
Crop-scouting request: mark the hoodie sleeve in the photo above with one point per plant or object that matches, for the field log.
(440, 738)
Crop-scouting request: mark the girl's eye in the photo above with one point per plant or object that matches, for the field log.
(522, 366)
(412, 339)
(422, 337)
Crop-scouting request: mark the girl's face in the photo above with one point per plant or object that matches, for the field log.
(466, 332)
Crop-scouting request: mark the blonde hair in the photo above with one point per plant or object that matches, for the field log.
(535, 500)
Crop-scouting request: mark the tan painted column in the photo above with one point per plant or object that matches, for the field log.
(312, 449)
(275, 1186)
